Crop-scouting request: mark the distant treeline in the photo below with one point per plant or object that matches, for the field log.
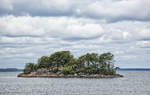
(134, 69)
(63, 62)
(10, 70)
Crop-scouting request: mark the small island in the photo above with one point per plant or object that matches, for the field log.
(62, 64)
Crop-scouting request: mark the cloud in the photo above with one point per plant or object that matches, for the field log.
(144, 34)
(5, 6)
(63, 28)
(113, 10)
(36, 7)
(143, 44)
(42, 8)
(30, 29)
(108, 10)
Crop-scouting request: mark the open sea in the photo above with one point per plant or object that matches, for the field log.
(133, 83)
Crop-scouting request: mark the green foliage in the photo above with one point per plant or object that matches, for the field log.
(44, 62)
(92, 70)
(89, 59)
(59, 59)
(94, 58)
(106, 61)
(64, 62)
(35, 67)
(106, 58)
(54, 70)
(29, 68)
(68, 70)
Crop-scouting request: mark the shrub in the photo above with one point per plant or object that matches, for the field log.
(91, 70)
(29, 68)
(42, 71)
(54, 70)
(68, 70)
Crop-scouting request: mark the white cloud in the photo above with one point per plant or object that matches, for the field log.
(143, 44)
(33, 28)
(117, 10)
(49, 27)
(85, 31)
(109, 10)
(144, 34)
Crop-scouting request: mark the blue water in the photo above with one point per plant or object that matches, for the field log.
(133, 83)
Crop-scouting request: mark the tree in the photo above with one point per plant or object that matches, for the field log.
(106, 63)
(60, 59)
(94, 58)
(81, 61)
(89, 59)
(106, 58)
(64, 62)
(44, 62)
(29, 68)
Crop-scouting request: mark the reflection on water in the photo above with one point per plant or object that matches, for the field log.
(134, 83)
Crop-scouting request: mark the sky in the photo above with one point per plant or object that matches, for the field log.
(30, 29)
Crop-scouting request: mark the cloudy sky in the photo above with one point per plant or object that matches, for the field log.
(30, 29)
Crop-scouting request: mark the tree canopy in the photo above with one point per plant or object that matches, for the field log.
(63, 62)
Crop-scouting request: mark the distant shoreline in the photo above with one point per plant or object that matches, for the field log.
(134, 69)
(121, 69)
(10, 70)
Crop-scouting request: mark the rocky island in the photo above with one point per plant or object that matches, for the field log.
(62, 64)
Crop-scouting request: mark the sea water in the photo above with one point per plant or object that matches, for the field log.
(133, 83)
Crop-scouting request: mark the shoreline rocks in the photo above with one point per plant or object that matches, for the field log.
(68, 76)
